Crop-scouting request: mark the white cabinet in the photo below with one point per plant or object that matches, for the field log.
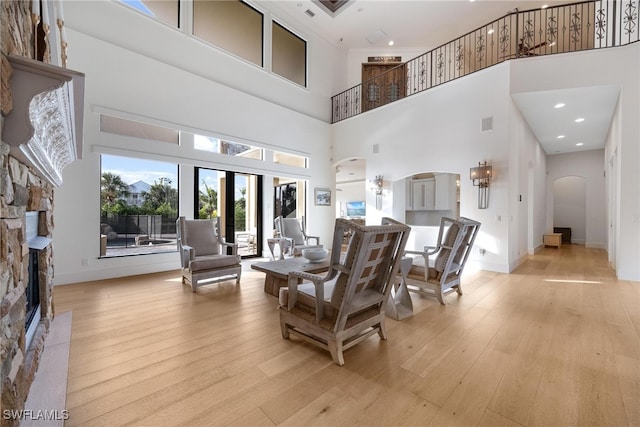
(445, 192)
(408, 199)
(423, 194)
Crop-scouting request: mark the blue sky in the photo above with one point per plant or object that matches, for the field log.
(211, 178)
(138, 4)
(132, 170)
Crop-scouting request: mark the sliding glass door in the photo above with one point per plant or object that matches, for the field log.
(237, 199)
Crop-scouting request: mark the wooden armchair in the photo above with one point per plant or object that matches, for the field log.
(347, 305)
(455, 240)
(203, 254)
(293, 230)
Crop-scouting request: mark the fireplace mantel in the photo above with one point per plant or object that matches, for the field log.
(44, 129)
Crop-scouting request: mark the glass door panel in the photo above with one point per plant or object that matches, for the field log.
(235, 198)
(246, 209)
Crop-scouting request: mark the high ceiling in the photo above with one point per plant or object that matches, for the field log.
(410, 24)
(369, 25)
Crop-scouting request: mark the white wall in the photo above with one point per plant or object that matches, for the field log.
(527, 194)
(421, 133)
(173, 81)
(612, 186)
(123, 26)
(590, 166)
(440, 131)
(570, 206)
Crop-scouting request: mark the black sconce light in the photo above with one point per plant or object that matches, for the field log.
(481, 177)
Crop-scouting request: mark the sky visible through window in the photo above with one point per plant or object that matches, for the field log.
(210, 177)
(138, 4)
(132, 170)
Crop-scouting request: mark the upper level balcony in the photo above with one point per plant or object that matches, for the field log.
(519, 34)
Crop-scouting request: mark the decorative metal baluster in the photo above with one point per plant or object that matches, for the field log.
(552, 31)
(459, 57)
(575, 29)
(630, 19)
(504, 40)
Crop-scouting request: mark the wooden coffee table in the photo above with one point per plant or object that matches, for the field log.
(277, 272)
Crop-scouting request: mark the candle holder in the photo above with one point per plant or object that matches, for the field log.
(63, 43)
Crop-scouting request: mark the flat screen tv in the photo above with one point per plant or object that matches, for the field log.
(355, 209)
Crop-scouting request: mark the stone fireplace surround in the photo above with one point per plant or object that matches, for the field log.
(41, 123)
(21, 190)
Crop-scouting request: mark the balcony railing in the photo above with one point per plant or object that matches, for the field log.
(560, 29)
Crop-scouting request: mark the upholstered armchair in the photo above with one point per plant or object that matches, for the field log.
(203, 253)
(293, 230)
(347, 305)
(455, 240)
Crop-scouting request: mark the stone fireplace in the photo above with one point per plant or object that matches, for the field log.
(41, 123)
(21, 190)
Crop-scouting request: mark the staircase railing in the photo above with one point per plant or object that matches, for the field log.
(559, 29)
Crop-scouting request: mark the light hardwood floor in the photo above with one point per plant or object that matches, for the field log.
(556, 343)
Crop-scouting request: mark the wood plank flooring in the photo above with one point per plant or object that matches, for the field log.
(556, 343)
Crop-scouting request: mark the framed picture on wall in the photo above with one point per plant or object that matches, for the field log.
(323, 197)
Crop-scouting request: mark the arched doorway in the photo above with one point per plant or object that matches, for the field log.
(350, 200)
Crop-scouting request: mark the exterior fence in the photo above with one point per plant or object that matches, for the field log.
(560, 29)
(122, 230)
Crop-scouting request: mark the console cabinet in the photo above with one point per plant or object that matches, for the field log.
(432, 194)
(445, 192)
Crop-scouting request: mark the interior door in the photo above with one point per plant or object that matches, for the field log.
(382, 83)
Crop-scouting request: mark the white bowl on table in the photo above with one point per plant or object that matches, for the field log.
(315, 254)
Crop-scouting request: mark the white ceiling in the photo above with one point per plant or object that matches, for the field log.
(595, 105)
(352, 170)
(410, 24)
(429, 23)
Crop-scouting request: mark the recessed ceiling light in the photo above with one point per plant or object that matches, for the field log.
(580, 120)
(390, 43)
(559, 105)
(560, 136)
(544, 6)
(491, 31)
(579, 144)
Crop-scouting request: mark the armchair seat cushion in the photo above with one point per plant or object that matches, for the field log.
(212, 262)
(307, 294)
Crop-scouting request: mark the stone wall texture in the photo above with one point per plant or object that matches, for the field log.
(21, 190)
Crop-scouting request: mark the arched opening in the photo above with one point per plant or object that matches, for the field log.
(351, 192)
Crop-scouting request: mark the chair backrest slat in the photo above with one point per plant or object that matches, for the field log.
(372, 259)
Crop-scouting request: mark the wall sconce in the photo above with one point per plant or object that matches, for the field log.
(480, 177)
(378, 182)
